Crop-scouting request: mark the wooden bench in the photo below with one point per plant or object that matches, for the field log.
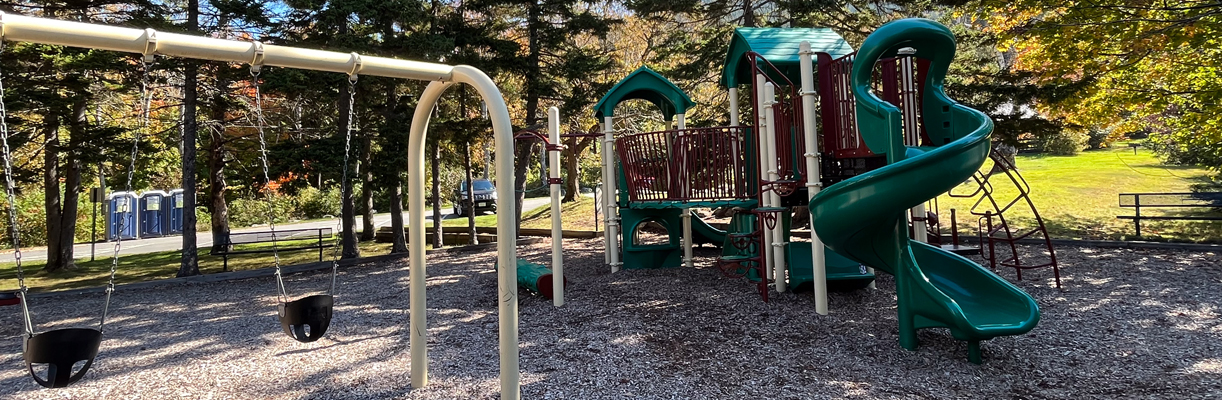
(296, 236)
(1199, 203)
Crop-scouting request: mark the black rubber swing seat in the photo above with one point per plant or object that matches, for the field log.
(312, 311)
(60, 349)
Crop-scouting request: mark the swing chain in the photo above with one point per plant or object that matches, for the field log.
(10, 190)
(344, 187)
(146, 100)
(255, 70)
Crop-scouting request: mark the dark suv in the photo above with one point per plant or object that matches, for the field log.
(484, 198)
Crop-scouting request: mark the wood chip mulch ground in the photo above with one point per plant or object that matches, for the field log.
(1128, 324)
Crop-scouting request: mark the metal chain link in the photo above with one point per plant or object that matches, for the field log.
(335, 249)
(10, 189)
(146, 100)
(267, 180)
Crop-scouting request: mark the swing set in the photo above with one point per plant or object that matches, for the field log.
(305, 319)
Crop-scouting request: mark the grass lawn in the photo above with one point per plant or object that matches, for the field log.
(163, 265)
(154, 266)
(576, 215)
(1077, 196)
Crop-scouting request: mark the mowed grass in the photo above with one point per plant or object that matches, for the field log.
(1078, 197)
(164, 265)
(159, 265)
(575, 215)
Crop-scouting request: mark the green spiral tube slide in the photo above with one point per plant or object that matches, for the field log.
(863, 218)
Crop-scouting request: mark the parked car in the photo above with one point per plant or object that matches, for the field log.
(484, 197)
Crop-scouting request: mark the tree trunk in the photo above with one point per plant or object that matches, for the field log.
(190, 254)
(50, 180)
(522, 153)
(398, 242)
(571, 154)
(748, 14)
(367, 228)
(435, 160)
(216, 169)
(348, 210)
(72, 184)
(467, 200)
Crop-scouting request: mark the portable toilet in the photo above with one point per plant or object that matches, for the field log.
(152, 214)
(173, 206)
(121, 210)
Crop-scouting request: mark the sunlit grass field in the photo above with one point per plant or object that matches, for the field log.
(1078, 196)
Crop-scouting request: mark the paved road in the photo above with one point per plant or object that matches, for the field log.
(204, 239)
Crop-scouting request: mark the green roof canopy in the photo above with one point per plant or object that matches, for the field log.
(645, 84)
(780, 47)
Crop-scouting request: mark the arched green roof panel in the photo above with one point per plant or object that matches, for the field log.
(780, 47)
(645, 84)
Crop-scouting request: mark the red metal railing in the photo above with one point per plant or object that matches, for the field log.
(839, 109)
(699, 164)
(787, 119)
(898, 80)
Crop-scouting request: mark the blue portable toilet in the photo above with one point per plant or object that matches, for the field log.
(173, 213)
(121, 210)
(152, 214)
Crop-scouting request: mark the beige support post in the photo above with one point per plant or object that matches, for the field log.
(610, 211)
(506, 246)
(761, 133)
(733, 106)
(553, 159)
(813, 184)
(777, 245)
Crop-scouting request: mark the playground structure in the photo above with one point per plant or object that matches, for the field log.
(64, 347)
(891, 142)
(885, 162)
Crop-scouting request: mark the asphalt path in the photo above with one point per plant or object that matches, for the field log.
(204, 239)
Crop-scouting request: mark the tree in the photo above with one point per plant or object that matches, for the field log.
(1128, 67)
(551, 55)
(190, 255)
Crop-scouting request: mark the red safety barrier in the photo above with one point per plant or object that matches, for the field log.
(700, 164)
(787, 121)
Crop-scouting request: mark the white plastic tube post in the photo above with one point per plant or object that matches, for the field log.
(681, 124)
(813, 184)
(610, 212)
(734, 106)
(553, 136)
(777, 244)
(506, 245)
(761, 133)
(600, 198)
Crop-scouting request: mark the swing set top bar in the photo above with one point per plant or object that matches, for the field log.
(149, 42)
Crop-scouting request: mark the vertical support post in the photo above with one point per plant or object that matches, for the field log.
(681, 124)
(1137, 213)
(920, 229)
(734, 121)
(609, 208)
(988, 235)
(778, 242)
(761, 135)
(418, 311)
(93, 226)
(954, 229)
(553, 157)
(733, 106)
(813, 183)
(507, 277)
(687, 237)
